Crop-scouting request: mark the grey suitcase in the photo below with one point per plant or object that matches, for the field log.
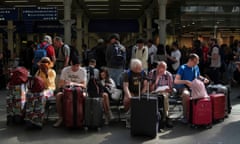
(219, 88)
(93, 113)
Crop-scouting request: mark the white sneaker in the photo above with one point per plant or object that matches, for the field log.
(58, 123)
(106, 120)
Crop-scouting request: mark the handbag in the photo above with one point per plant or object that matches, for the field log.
(116, 94)
(198, 89)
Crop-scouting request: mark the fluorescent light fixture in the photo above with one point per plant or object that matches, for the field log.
(129, 9)
(135, 5)
(95, 5)
(19, 6)
(98, 9)
(51, 0)
(16, 1)
(131, 0)
(56, 5)
(96, 1)
(99, 12)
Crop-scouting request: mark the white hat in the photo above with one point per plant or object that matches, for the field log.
(48, 39)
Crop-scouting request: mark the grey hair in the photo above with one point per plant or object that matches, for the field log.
(134, 63)
(162, 63)
(48, 39)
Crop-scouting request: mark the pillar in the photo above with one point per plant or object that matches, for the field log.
(18, 44)
(79, 31)
(149, 29)
(140, 22)
(86, 34)
(30, 37)
(10, 30)
(162, 21)
(67, 22)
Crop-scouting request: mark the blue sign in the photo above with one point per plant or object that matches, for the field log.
(40, 13)
(8, 14)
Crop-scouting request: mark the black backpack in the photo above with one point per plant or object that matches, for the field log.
(73, 53)
(93, 86)
(118, 55)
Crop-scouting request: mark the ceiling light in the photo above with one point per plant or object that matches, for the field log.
(129, 9)
(16, 1)
(95, 5)
(98, 9)
(95, 0)
(22, 6)
(135, 5)
(51, 0)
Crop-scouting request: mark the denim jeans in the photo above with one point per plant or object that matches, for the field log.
(115, 75)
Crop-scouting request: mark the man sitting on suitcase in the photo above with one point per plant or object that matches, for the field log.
(184, 77)
(162, 82)
(73, 75)
(133, 79)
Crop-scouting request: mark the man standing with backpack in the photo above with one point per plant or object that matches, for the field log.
(115, 58)
(63, 53)
(45, 49)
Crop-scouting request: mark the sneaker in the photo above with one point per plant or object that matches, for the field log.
(58, 123)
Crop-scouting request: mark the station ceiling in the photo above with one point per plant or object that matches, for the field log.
(185, 15)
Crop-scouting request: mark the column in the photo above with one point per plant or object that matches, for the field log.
(30, 37)
(79, 31)
(10, 30)
(67, 22)
(149, 29)
(140, 22)
(86, 34)
(162, 21)
(17, 44)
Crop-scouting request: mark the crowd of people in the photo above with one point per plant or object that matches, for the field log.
(116, 66)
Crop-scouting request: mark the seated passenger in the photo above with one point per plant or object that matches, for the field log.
(92, 64)
(72, 75)
(162, 78)
(185, 75)
(48, 75)
(108, 85)
(131, 81)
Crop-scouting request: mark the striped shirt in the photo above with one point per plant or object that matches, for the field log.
(162, 80)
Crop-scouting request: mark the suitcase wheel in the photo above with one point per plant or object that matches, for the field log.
(209, 126)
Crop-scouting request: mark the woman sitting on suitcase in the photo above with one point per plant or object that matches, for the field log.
(48, 75)
(73, 75)
(184, 77)
(132, 80)
(108, 85)
(162, 82)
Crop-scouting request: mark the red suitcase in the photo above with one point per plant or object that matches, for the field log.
(218, 105)
(199, 112)
(73, 102)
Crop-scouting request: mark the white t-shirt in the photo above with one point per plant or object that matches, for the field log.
(78, 76)
(152, 51)
(177, 55)
(215, 58)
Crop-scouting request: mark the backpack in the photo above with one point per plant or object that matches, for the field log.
(91, 54)
(36, 84)
(73, 53)
(198, 89)
(40, 52)
(117, 56)
(93, 85)
(19, 76)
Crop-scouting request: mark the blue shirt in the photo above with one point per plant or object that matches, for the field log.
(187, 73)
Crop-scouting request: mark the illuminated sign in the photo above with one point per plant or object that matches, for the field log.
(40, 13)
(8, 14)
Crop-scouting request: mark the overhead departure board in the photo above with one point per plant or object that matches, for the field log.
(40, 13)
(8, 14)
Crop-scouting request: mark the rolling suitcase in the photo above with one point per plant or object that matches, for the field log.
(93, 113)
(218, 105)
(219, 88)
(144, 115)
(15, 103)
(73, 102)
(34, 116)
(199, 112)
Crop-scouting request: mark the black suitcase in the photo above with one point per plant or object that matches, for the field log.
(144, 116)
(219, 88)
(93, 113)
